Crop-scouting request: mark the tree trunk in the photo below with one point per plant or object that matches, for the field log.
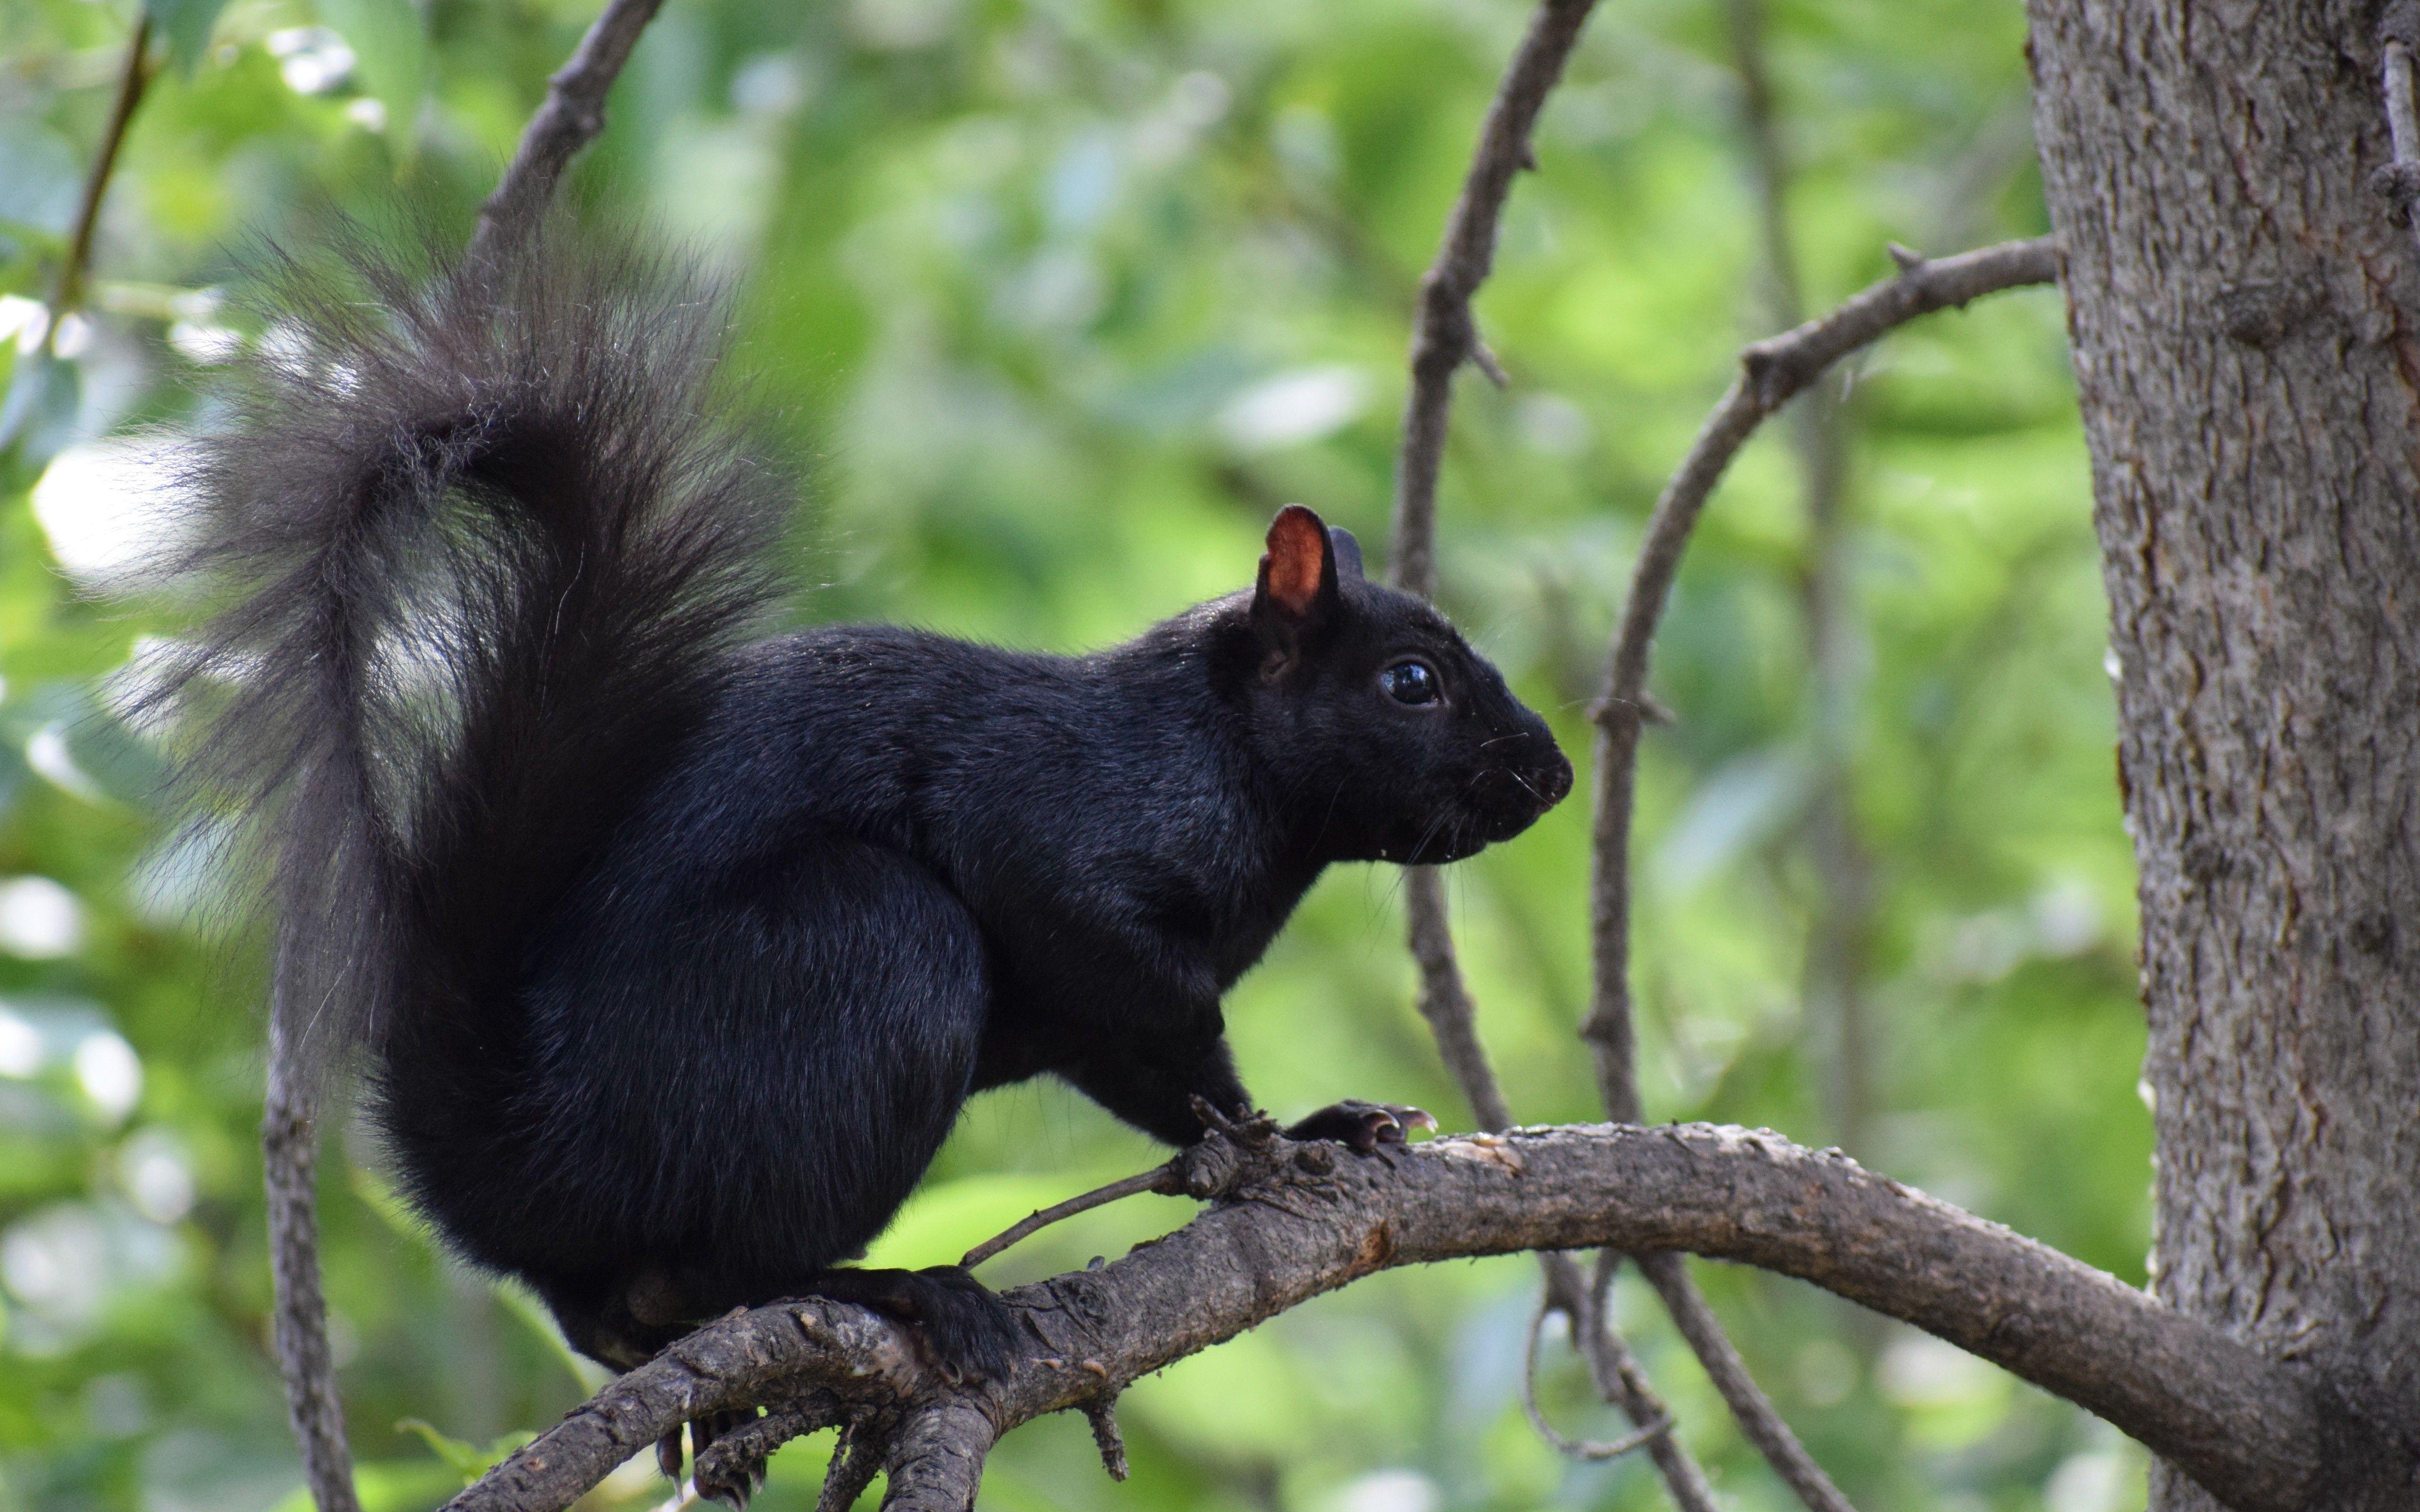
(2243, 309)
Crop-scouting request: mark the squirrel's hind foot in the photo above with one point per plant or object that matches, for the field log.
(966, 1332)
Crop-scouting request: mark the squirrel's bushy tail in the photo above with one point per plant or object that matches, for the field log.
(487, 552)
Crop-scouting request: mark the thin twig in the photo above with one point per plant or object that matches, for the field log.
(1582, 1449)
(573, 116)
(1444, 336)
(1830, 961)
(1622, 1381)
(854, 1464)
(2399, 181)
(1444, 998)
(1167, 1179)
(1102, 1412)
(289, 1149)
(1771, 371)
(67, 289)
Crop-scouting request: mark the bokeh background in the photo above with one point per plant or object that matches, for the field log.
(1057, 299)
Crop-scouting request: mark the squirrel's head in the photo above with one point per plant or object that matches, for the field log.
(1391, 737)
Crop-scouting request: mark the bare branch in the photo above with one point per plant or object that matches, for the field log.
(1582, 1449)
(1444, 335)
(1310, 1220)
(1167, 1179)
(1771, 373)
(1759, 1420)
(1835, 933)
(573, 116)
(1622, 1381)
(2399, 181)
(289, 1149)
(67, 288)
(1102, 1412)
(1444, 998)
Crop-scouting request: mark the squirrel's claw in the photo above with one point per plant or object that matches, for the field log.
(1362, 1126)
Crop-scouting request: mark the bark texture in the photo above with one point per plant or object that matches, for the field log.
(2241, 306)
(1294, 1221)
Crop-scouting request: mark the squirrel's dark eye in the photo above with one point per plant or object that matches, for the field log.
(1411, 682)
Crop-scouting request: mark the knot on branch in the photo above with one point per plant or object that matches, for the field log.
(1775, 370)
(1231, 1155)
(2401, 23)
(2398, 182)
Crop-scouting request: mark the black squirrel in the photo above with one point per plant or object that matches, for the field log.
(670, 951)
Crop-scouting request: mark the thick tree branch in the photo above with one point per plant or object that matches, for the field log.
(573, 116)
(1306, 1219)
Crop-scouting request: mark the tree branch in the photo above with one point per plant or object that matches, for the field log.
(289, 1151)
(573, 116)
(1445, 337)
(1771, 373)
(67, 289)
(1306, 1219)
(1836, 931)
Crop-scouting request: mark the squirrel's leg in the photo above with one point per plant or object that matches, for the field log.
(790, 1045)
(1151, 1080)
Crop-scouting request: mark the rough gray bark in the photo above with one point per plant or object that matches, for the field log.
(2242, 310)
(1299, 1220)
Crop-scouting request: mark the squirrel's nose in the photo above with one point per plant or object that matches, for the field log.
(1554, 782)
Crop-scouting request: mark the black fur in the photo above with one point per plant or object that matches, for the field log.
(674, 954)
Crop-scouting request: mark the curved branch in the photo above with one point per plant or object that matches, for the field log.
(67, 289)
(1445, 337)
(1309, 1221)
(1771, 373)
(573, 116)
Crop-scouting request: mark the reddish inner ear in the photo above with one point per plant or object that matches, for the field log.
(1298, 551)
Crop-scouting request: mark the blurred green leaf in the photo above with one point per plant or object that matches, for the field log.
(185, 26)
(468, 1461)
(390, 42)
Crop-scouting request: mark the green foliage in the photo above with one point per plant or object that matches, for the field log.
(1059, 298)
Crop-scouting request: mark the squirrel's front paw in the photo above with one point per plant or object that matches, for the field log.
(1363, 1126)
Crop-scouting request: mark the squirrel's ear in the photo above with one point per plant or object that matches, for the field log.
(1348, 550)
(1296, 592)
